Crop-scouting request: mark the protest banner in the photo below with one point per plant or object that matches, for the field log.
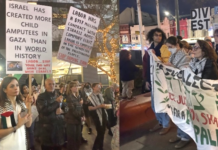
(28, 38)
(191, 102)
(200, 18)
(78, 38)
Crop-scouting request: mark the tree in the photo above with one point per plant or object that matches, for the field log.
(107, 37)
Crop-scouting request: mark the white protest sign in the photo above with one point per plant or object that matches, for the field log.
(200, 18)
(28, 38)
(78, 38)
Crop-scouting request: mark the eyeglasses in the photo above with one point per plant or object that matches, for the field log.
(196, 48)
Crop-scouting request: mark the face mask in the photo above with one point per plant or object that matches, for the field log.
(172, 50)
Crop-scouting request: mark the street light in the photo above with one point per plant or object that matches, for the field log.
(167, 13)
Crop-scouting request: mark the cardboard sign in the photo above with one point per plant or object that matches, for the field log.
(200, 18)
(78, 38)
(28, 38)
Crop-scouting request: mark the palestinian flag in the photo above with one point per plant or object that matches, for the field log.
(7, 120)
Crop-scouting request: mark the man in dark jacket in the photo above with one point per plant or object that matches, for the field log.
(50, 118)
(156, 37)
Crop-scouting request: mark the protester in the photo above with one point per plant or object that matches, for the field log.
(30, 131)
(98, 114)
(127, 71)
(186, 47)
(78, 84)
(33, 80)
(204, 63)
(156, 38)
(50, 118)
(74, 117)
(115, 142)
(208, 40)
(85, 92)
(179, 58)
(12, 131)
(109, 97)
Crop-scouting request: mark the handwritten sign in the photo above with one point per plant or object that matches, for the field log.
(28, 38)
(78, 38)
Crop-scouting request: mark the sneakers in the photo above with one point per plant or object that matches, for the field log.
(164, 131)
(175, 139)
(181, 144)
(156, 127)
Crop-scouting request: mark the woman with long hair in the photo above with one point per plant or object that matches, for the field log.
(127, 72)
(14, 115)
(74, 117)
(204, 63)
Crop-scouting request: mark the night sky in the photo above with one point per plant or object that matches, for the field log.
(185, 6)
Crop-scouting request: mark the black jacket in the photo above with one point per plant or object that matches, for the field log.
(127, 70)
(51, 124)
(75, 110)
(210, 70)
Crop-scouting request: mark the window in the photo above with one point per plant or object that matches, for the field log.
(136, 37)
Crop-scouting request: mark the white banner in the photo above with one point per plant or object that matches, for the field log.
(28, 38)
(78, 38)
(191, 103)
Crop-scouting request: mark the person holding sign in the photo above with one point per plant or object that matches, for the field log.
(205, 59)
(14, 115)
(99, 115)
(74, 117)
(157, 38)
(51, 119)
(178, 59)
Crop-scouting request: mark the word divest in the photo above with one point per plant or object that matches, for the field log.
(79, 37)
(28, 38)
(191, 102)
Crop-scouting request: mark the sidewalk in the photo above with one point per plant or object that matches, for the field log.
(139, 138)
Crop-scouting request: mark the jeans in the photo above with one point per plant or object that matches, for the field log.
(181, 134)
(162, 118)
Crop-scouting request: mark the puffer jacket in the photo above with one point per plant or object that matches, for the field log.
(75, 110)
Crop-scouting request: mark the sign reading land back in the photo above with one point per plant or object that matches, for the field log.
(200, 18)
(28, 38)
(78, 38)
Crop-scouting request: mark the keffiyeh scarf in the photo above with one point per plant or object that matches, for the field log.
(197, 66)
(95, 101)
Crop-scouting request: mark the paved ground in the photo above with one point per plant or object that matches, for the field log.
(90, 138)
(142, 139)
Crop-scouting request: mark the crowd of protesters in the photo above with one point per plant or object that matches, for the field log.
(173, 51)
(201, 59)
(61, 113)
